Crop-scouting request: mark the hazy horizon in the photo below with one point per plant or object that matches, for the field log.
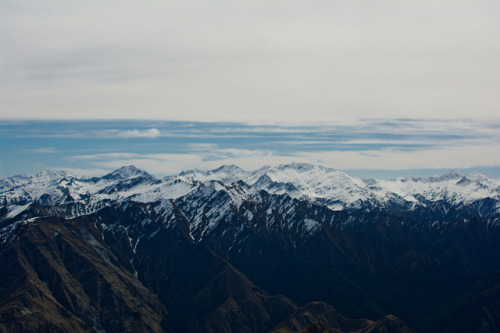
(367, 148)
(168, 86)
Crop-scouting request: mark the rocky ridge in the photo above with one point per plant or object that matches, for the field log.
(230, 250)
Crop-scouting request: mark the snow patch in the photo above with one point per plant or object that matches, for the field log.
(310, 225)
(16, 210)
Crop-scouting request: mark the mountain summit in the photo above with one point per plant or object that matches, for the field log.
(125, 172)
(313, 183)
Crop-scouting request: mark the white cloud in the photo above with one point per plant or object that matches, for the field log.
(44, 150)
(104, 156)
(152, 133)
(212, 153)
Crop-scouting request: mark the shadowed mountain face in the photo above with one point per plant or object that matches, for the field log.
(231, 251)
(57, 275)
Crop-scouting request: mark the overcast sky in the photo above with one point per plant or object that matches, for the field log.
(358, 84)
(262, 62)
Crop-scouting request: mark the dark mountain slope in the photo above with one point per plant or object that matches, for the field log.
(80, 275)
(201, 291)
(477, 310)
(321, 317)
(66, 279)
(233, 251)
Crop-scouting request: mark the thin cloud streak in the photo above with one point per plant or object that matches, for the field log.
(458, 157)
(43, 150)
(165, 147)
(163, 164)
(152, 133)
(369, 128)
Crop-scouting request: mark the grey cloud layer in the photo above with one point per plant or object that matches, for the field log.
(260, 62)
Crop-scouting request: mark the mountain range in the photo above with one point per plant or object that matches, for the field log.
(291, 248)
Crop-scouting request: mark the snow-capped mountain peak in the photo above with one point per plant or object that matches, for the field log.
(125, 172)
(313, 183)
(228, 168)
(226, 174)
(50, 175)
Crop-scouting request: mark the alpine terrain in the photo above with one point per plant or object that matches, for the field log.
(292, 248)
